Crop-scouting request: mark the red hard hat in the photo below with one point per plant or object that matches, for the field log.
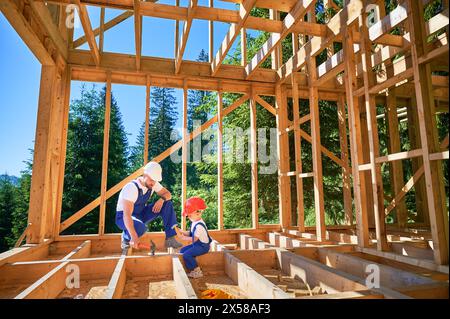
(192, 204)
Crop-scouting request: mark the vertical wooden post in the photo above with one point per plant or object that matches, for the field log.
(147, 117)
(219, 161)
(65, 93)
(102, 30)
(211, 35)
(177, 32)
(359, 192)
(417, 162)
(40, 188)
(254, 160)
(284, 183)
(347, 192)
(375, 168)
(243, 47)
(298, 154)
(276, 55)
(428, 134)
(316, 150)
(101, 225)
(396, 167)
(184, 153)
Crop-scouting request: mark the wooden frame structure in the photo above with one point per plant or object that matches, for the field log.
(375, 67)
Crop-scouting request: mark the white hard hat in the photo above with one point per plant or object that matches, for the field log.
(154, 171)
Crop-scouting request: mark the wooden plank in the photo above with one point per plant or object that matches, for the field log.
(184, 37)
(90, 37)
(254, 162)
(82, 251)
(275, 39)
(177, 31)
(40, 182)
(211, 35)
(105, 158)
(147, 119)
(439, 156)
(25, 252)
(233, 32)
(346, 188)
(298, 155)
(399, 156)
(284, 187)
(118, 278)
(184, 154)
(277, 53)
(319, 206)
(183, 286)
(137, 33)
(220, 203)
(396, 167)
(101, 37)
(355, 141)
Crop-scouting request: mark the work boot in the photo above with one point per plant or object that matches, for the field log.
(172, 243)
(196, 273)
(125, 244)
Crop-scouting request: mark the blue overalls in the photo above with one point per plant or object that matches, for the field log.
(197, 248)
(143, 214)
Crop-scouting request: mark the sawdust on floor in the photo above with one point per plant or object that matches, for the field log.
(217, 281)
(145, 288)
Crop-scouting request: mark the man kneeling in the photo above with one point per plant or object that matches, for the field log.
(198, 233)
(133, 214)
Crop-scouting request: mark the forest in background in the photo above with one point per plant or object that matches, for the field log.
(85, 145)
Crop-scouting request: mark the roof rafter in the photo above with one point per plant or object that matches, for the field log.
(185, 35)
(275, 39)
(233, 32)
(86, 23)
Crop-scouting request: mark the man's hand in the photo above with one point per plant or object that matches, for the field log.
(134, 242)
(158, 205)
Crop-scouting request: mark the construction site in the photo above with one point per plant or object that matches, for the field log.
(397, 60)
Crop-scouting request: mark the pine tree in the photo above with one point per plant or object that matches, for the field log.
(8, 203)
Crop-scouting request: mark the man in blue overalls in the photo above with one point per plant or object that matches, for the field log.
(133, 214)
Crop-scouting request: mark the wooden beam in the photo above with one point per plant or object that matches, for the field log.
(346, 188)
(254, 161)
(184, 37)
(359, 192)
(319, 206)
(183, 286)
(220, 224)
(102, 30)
(396, 167)
(298, 155)
(284, 187)
(118, 278)
(233, 32)
(211, 35)
(147, 119)
(105, 157)
(137, 33)
(177, 31)
(86, 23)
(184, 153)
(275, 39)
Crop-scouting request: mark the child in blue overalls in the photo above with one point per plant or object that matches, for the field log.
(198, 234)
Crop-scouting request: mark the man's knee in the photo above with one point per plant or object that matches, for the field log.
(168, 205)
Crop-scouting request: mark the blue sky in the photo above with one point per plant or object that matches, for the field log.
(20, 75)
